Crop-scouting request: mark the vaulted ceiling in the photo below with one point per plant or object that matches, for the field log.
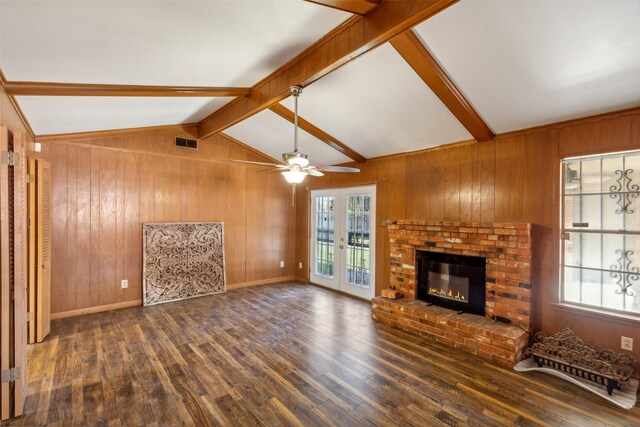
(465, 70)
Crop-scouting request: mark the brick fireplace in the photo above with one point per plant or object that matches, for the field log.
(507, 250)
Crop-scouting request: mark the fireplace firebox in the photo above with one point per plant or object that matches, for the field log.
(456, 282)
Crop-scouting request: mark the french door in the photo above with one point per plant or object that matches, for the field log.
(342, 252)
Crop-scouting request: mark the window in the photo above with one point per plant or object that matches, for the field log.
(600, 235)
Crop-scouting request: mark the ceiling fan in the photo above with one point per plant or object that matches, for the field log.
(296, 164)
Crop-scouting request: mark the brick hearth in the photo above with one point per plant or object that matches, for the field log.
(507, 249)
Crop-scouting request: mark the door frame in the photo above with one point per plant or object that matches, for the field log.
(338, 283)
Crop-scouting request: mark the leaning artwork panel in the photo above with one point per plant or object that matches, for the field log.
(182, 260)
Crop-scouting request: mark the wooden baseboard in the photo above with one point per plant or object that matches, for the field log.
(302, 280)
(125, 304)
(261, 282)
(96, 309)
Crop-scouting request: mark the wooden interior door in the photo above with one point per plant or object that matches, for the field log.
(43, 245)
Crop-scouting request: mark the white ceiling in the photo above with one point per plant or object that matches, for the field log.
(65, 114)
(378, 105)
(528, 63)
(273, 135)
(198, 43)
(519, 63)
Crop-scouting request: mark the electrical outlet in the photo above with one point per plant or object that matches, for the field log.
(299, 265)
(281, 264)
(627, 343)
(124, 284)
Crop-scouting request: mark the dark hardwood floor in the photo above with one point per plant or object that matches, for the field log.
(284, 354)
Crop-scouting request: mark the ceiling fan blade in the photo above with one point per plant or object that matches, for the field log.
(271, 170)
(336, 169)
(314, 172)
(258, 163)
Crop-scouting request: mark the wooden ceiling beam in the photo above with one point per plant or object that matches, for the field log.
(356, 36)
(425, 65)
(84, 89)
(359, 7)
(16, 106)
(305, 125)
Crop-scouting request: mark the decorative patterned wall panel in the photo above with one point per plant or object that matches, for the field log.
(182, 260)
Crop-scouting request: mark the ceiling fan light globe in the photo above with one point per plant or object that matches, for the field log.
(294, 176)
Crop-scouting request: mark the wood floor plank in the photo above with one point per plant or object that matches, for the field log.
(281, 354)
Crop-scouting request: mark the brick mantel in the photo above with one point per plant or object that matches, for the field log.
(506, 246)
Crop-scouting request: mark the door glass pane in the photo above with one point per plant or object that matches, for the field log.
(357, 247)
(324, 236)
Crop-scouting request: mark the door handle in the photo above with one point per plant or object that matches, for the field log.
(341, 246)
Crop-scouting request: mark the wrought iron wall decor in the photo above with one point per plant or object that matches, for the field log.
(566, 352)
(182, 260)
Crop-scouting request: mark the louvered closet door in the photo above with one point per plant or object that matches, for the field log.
(43, 268)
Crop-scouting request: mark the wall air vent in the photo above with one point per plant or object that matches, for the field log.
(186, 143)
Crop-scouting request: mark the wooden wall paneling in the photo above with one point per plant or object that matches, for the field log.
(239, 231)
(487, 165)
(176, 188)
(451, 176)
(59, 258)
(302, 232)
(45, 218)
(516, 193)
(83, 205)
(237, 206)
(259, 253)
(6, 348)
(417, 200)
(32, 260)
(132, 248)
(188, 194)
(599, 136)
(120, 228)
(108, 189)
(474, 181)
(465, 172)
(96, 278)
(505, 177)
(71, 220)
(540, 178)
(437, 186)
(391, 192)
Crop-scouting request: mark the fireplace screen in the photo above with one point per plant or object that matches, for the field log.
(456, 282)
(444, 282)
